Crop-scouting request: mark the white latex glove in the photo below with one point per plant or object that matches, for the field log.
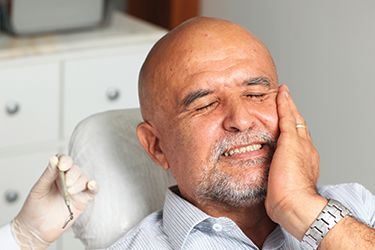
(40, 221)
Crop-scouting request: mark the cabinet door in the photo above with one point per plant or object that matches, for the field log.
(102, 83)
(68, 241)
(18, 175)
(29, 99)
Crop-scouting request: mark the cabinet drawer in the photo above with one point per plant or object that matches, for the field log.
(99, 84)
(29, 102)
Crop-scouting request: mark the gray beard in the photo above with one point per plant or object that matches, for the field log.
(220, 187)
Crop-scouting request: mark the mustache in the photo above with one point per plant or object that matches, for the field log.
(243, 138)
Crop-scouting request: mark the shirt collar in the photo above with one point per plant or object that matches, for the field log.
(276, 239)
(178, 225)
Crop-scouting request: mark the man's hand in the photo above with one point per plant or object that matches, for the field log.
(44, 212)
(292, 199)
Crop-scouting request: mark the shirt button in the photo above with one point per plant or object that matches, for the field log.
(217, 227)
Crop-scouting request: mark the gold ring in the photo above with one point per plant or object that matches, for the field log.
(300, 125)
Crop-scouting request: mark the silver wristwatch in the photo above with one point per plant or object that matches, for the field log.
(330, 215)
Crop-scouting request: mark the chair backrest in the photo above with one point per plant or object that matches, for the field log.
(131, 186)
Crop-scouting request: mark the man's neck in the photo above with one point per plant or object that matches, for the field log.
(252, 220)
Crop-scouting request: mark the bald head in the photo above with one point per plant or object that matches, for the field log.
(195, 43)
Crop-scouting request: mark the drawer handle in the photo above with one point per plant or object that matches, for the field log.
(12, 107)
(113, 94)
(11, 196)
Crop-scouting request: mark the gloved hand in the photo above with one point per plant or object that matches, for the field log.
(44, 212)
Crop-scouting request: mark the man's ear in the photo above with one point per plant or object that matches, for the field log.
(148, 138)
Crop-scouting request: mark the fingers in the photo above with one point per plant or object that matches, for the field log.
(53, 161)
(65, 163)
(287, 121)
(83, 194)
(47, 179)
(75, 180)
(72, 175)
(301, 130)
(82, 199)
(92, 187)
(79, 185)
(289, 116)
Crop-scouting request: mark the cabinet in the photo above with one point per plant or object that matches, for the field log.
(115, 79)
(24, 92)
(48, 84)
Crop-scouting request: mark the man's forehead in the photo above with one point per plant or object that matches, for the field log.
(228, 70)
(236, 73)
(209, 70)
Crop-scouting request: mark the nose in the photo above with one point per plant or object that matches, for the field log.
(238, 118)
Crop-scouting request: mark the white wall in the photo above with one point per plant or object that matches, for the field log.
(325, 52)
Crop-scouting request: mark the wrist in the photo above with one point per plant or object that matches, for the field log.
(330, 215)
(297, 216)
(26, 237)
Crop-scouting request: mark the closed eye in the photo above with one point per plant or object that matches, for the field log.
(206, 106)
(257, 96)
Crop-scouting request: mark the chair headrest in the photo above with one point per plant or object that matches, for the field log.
(131, 186)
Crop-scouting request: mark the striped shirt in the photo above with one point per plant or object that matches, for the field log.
(181, 225)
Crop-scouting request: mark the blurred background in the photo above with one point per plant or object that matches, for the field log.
(63, 60)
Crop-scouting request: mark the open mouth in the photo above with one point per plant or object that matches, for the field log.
(243, 149)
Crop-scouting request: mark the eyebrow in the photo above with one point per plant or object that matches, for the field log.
(192, 96)
(261, 80)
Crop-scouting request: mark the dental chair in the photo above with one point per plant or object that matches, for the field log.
(131, 186)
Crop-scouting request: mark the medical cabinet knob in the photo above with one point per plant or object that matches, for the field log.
(11, 196)
(12, 107)
(113, 94)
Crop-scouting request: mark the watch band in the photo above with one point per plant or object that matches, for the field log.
(330, 215)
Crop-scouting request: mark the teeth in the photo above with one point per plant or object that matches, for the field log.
(243, 149)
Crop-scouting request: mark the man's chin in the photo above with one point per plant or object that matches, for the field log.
(239, 184)
(243, 199)
(250, 177)
(234, 193)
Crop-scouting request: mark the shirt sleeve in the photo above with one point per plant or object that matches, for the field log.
(359, 200)
(7, 240)
(369, 203)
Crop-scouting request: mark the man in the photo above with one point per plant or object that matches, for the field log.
(239, 150)
(242, 156)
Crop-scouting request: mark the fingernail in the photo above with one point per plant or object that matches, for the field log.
(92, 186)
(53, 161)
(65, 163)
(286, 94)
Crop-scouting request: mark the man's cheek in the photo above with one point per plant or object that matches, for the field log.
(271, 121)
(188, 144)
(274, 119)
